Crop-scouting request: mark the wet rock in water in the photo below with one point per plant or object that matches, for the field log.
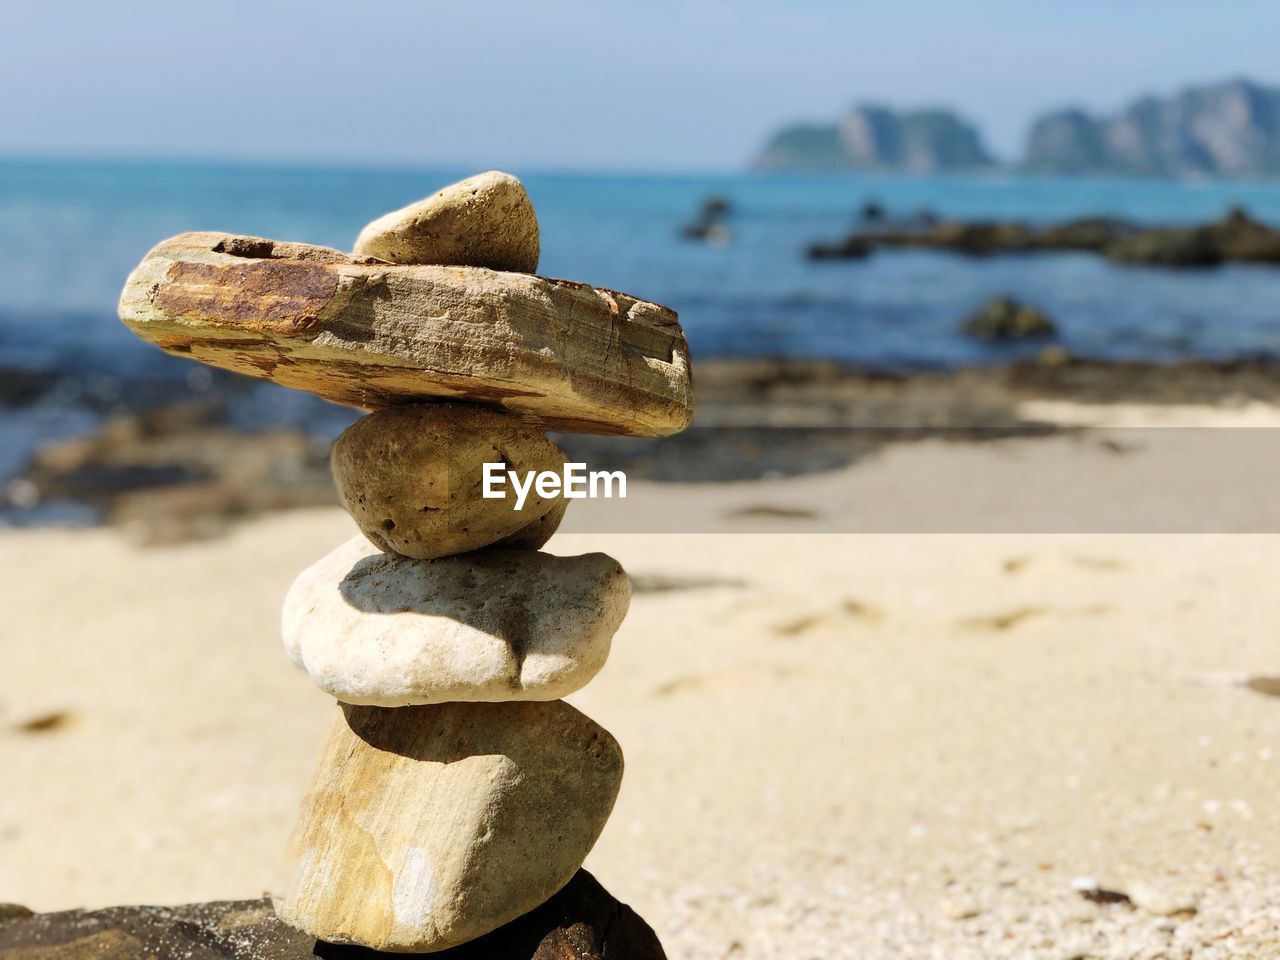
(1237, 237)
(926, 217)
(976, 239)
(982, 239)
(1167, 248)
(709, 224)
(20, 388)
(372, 335)
(1007, 319)
(850, 248)
(413, 478)
(716, 207)
(426, 827)
(582, 921)
(482, 221)
(1240, 237)
(376, 628)
(1089, 234)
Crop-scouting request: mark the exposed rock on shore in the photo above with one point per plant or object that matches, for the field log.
(582, 921)
(1007, 319)
(182, 473)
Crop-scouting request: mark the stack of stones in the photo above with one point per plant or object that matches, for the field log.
(457, 791)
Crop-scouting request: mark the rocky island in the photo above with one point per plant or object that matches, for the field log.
(1225, 129)
(874, 137)
(1228, 129)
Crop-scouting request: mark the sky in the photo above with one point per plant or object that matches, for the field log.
(577, 84)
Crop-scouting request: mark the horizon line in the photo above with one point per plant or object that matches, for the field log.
(347, 164)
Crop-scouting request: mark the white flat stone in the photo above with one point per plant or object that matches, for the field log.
(374, 628)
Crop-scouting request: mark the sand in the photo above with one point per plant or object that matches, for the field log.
(896, 744)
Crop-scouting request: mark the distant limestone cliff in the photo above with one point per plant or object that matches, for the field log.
(876, 138)
(1229, 129)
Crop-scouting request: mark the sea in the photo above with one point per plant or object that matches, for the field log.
(70, 231)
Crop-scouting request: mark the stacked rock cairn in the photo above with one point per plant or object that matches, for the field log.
(458, 792)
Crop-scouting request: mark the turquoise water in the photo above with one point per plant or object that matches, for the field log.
(71, 231)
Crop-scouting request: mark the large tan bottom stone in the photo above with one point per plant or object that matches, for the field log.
(426, 827)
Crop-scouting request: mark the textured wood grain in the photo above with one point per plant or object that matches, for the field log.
(371, 334)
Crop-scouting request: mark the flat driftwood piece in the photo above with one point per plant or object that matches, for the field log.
(371, 334)
(581, 922)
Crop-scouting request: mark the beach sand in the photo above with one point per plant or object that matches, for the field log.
(897, 744)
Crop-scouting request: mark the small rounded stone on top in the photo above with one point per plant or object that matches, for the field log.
(413, 479)
(482, 221)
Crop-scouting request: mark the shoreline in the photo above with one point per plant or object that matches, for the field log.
(175, 471)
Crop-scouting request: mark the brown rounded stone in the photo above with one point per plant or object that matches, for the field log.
(413, 479)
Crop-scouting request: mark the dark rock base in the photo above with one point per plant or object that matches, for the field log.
(581, 922)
